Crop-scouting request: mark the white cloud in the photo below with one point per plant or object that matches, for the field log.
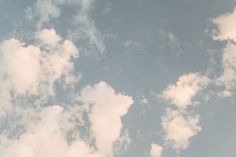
(5, 98)
(43, 11)
(225, 27)
(179, 128)
(33, 69)
(46, 138)
(181, 94)
(49, 37)
(86, 30)
(156, 150)
(225, 94)
(85, 27)
(107, 109)
(21, 65)
(46, 128)
(82, 26)
(228, 77)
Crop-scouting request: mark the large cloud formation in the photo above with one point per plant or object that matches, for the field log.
(46, 138)
(30, 73)
(32, 70)
(46, 134)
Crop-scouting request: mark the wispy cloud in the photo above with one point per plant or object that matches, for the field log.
(82, 27)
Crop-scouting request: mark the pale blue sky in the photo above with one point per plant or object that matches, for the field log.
(148, 45)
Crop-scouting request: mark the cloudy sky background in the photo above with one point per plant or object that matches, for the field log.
(137, 78)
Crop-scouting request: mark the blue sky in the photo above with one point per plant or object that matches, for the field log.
(87, 78)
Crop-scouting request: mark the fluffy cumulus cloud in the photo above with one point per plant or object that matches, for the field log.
(47, 138)
(179, 128)
(33, 69)
(30, 72)
(182, 93)
(225, 27)
(48, 37)
(178, 124)
(181, 124)
(21, 65)
(107, 109)
(46, 132)
(156, 150)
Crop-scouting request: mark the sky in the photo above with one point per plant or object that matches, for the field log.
(117, 78)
